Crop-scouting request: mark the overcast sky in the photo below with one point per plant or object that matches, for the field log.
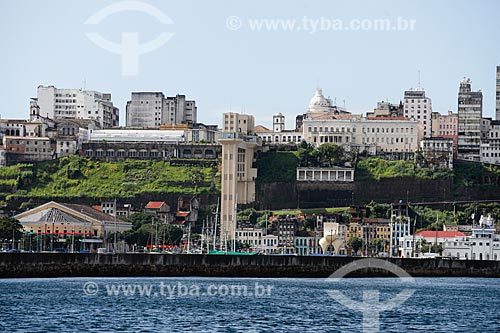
(219, 57)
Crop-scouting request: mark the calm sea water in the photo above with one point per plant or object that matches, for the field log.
(283, 305)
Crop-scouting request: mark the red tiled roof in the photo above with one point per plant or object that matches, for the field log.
(97, 207)
(440, 234)
(154, 204)
(182, 214)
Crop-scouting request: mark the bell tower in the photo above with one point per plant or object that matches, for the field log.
(278, 123)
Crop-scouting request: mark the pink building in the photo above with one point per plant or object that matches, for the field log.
(446, 126)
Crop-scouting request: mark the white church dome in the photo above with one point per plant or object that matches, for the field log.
(319, 100)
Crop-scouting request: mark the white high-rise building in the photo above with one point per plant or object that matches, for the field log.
(417, 105)
(57, 103)
(153, 109)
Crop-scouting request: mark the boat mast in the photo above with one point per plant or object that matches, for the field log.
(215, 224)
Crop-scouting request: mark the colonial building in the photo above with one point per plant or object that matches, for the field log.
(484, 244)
(69, 134)
(152, 109)
(269, 244)
(202, 133)
(57, 103)
(250, 236)
(239, 145)
(158, 208)
(307, 245)
(411, 246)
(118, 144)
(446, 126)
(419, 107)
(59, 221)
(378, 134)
(333, 174)
(437, 152)
(490, 147)
(287, 227)
(27, 149)
(326, 123)
(278, 135)
(470, 113)
(400, 228)
(376, 236)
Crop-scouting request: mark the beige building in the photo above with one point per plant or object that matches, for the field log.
(239, 145)
(26, 149)
(419, 107)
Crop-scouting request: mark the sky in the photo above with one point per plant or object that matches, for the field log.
(218, 56)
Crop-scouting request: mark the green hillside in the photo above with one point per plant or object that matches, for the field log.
(73, 177)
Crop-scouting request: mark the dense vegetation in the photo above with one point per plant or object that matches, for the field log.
(73, 177)
(376, 168)
(277, 167)
(469, 174)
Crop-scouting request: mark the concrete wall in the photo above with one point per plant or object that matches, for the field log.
(108, 265)
(327, 194)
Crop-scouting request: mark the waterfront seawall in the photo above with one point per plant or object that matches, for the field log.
(27, 265)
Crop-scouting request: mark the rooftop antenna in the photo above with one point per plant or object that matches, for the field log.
(419, 79)
(343, 102)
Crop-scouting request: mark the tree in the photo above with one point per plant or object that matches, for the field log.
(355, 243)
(305, 153)
(378, 245)
(10, 227)
(139, 219)
(173, 234)
(196, 177)
(330, 154)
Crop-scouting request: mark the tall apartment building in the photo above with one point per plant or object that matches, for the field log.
(239, 145)
(55, 103)
(497, 114)
(152, 109)
(470, 112)
(418, 106)
(446, 126)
